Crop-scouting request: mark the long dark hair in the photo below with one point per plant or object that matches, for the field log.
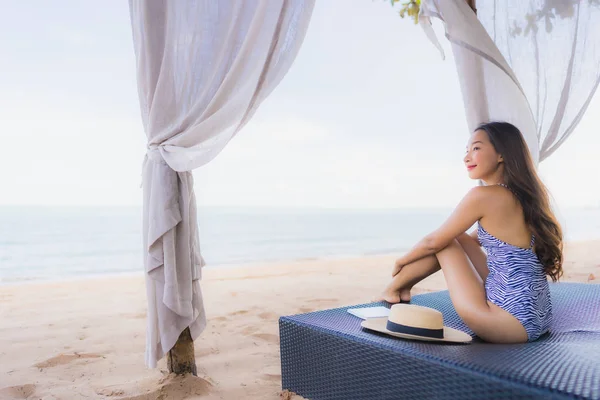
(521, 177)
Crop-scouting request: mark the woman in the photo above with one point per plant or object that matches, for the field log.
(502, 296)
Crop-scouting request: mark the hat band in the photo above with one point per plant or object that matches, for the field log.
(411, 330)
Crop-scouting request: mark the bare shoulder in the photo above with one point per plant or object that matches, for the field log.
(497, 201)
(488, 198)
(479, 194)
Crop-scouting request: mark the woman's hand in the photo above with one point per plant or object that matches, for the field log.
(397, 267)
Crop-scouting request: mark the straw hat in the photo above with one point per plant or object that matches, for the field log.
(410, 321)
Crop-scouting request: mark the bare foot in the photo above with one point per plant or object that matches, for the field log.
(394, 296)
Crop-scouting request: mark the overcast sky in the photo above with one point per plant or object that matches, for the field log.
(368, 116)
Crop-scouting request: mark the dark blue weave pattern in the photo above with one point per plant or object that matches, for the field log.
(327, 355)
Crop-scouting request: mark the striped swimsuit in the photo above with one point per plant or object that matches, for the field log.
(517, 283)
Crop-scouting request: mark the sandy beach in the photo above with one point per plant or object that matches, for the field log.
(86, 338)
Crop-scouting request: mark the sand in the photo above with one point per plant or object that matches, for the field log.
(85, 339)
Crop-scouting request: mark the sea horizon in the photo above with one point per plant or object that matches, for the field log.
(55, 243)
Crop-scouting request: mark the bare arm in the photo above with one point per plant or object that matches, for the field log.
(468, 211)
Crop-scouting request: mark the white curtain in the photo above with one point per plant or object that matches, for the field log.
(203, 68)
(534, 63)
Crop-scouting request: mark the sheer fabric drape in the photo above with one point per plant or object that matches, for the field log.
(534, 63)
(203, 68)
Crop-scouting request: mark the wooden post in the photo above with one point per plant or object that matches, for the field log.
(181, 359)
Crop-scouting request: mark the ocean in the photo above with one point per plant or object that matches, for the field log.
(57, 243)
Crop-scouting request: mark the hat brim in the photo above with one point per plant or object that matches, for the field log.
(450, 334)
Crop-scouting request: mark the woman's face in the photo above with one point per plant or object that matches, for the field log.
(482, 160)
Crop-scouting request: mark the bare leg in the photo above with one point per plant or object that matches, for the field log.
(399, 288)
(476, 255)
(467, 292)
(411, 274)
